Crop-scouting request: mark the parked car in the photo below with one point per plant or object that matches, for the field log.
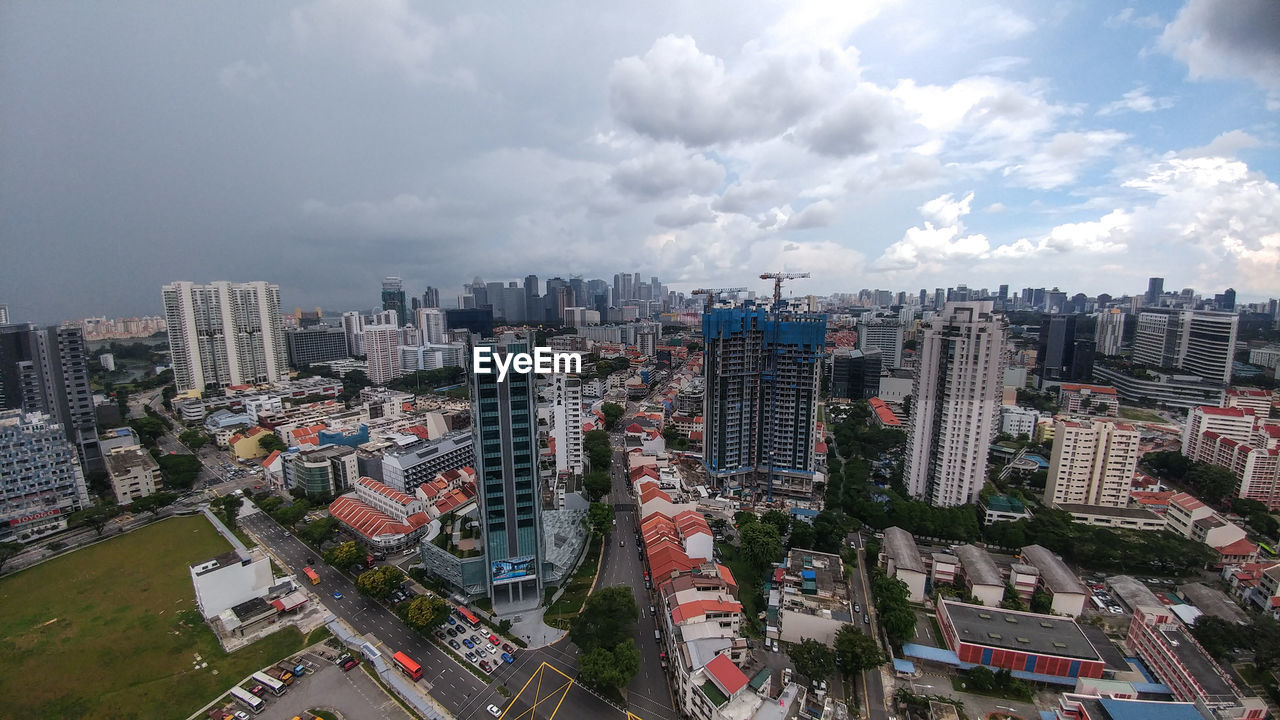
(257, 690)
(337, 595)
(866, 619)
(494, 710)
(494, 639)
(857, 607)
(484, 665)
(452, 621)
(470, 655)
(440, 634)
(493, 649)
(454, 644)
(350, 663)
(507, 647)
(468, 643)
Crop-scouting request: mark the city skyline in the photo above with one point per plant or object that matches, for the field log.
(900, 146)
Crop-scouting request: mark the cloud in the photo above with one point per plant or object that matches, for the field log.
(745, 197)
(244, 79)
(862, 122)
(1063, 157)
(1136, 100)
(667, 171)
(930, 247)
(1129, 16)
(691, 214)
(814, 215)
(946, 210)
(1225, 145)
(1237, 39)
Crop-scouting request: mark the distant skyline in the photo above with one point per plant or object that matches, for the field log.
(324, 145)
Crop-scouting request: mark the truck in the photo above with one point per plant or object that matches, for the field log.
(291, 666)
(284, 676)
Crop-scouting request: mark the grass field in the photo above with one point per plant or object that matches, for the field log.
(111, 631)
(1133, 413)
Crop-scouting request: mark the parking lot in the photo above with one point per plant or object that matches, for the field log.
(324, 685)
(474, 645)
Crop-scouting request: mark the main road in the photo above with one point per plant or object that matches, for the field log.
(870, 685)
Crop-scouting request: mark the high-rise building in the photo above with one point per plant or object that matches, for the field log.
(382, 352)
(1093, 463)
(883, 334)
(393, 298)
(505, 429)
(1109, 334)
(353, 328)
(474, 320)
(41, 481)
(566, 423)
(855, 374)
(956, 397)
(224, 334)
(430, 322)
(1195, 341)
(1226, 300)
(1155, 289)
(762, 376)
(431, 298)
(4, 314)
(1238, 439)
(46, 370)
(316, 344)
(1060, 357)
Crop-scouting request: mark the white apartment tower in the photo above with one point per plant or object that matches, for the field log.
(225, 334)
(1195, 341)
(382, 352)
(1093, 463)
(956, 403)
(353, 327)
(1110, 332)
(566, 416)
(431, 325)
(884, 334)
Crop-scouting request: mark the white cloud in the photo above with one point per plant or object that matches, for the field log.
(814, 215)
(693, 213)
(929, 247)
(1136, 100)
(1237, 39)
(1060, 160)
(1129, 16)
(744, 197)
(946, 210)
(1225, 145)
(666, 171)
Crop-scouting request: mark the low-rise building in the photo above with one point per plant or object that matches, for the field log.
(815, 597)
(1018, 641)
(1095, 400)
(1016, 420)
(901, 559)
(1002, 508)
(1057, 580)
(385, 518)
(981, 576)
(1126, 518)
(133, 473)
(229, 580)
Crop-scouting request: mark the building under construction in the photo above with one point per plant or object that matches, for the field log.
(762, 372)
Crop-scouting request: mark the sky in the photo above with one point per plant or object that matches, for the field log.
(899, 145)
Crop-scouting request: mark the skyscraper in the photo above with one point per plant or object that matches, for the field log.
(1195, 341)
(1155, 288)
(431, 298)
(1110, 332)
(353, 328)
(382, 351)
(46, 370)
(956, 403)
(393, 298)
(1093, 463)
(1056, 358)
(224, 334)
(505, 428)
(431, 324)
(4, 314)
(41, 482)
(883, 334)
(762, 376)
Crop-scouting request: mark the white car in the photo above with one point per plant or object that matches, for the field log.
(494, 710)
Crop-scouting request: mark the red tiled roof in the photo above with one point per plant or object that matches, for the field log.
(726, 675)
(883, 412)
(650, 492)
(1186, 502)
(271, 458)
(1238, 548)
(699, 608)
(419, 430)
(387, 492)
(1094, 389)
(1224, 412)
(371, 522)
(726, 575)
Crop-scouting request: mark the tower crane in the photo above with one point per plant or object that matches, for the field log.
(777, 278)
(713, 293)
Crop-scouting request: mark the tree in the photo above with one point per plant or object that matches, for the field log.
(981, 679)
(1168, 464)
(778, 519)
(272, 442)
(1012, 600)
(604, 668)
(353, 382)
(153, 503)
(607, 618)
(228, 506)
(193, 439)
(1041, 602)
(597, 483)
(180, 471)
(599, 452)
(426, 612)
(343, 556)
(802, 535)
(1212, 483)
(856, 651)
(380, 582)
(612, 413)
(600, 517)
(148, 428)
(812, 659)
(95, 517)
(760, 544)
(319, 531)
(8, 550)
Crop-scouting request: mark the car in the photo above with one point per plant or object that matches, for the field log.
(476, 639)
(494, 710)
(470, 655)
(857, 607)
(774, 645)
(337, 595)
(357, 567)
(311, 561)
(350, 663)
(508, 658)
(484, 665)
(507, 647)
(453, 632)
(440, 634)
(286, 534)
(452, 621)
(866, 619)
(242, 715)
(454, 644)
(468, 643)
(494, 639)
(493, 649)
(257, 690)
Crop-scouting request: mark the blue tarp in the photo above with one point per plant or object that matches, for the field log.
(904, 666)
(1137, 663)
(1147, 710)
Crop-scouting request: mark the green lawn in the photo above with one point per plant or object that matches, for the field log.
(564, 610)
(111, 632)
(1133, 413)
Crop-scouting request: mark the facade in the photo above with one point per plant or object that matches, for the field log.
(431, 324)
(229, 580)
(504, 428)
(386, 519)
(326, 470)
(1060, 357)
(1016, 420)
(1174, 391)
(41, 481)
(46, 370)
(1266, 357)
(1076, 399)
(1057, 580)
(761, 376)
(815, 597)
(885, 335)
(566, 423)
(1237, 439)
(382, 351)
(315, 345)
(1109, 333)
(133, 472)
(224, 334)
(432, 357)
(901, 559)
(980, 574)
(1255, 399)
(1018, 641)
(1169, 651)
(1198, 342)
(405, 468)
(1093, 463)
(393, 299)
(855, 374)
(957, 394)
(353, 329)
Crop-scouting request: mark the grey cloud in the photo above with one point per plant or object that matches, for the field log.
(693, 214)
(748, 196)
(1240, 38)
(861, 124)
(819, 214)
(667, 172)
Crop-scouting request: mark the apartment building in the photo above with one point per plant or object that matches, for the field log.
(1079, 399)
(41, 481)
(224, 334)
(405, 467)
(1093, 462)
(133, 473)
(1242, 442)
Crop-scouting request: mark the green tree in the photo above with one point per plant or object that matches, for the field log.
(599, 452)
(600, 517)
(8, 550)
(612, 414)
(153, 503)
(1011, 600)
(380, 582)
(778, 519)
(317, 532)
(1169, 464)
(426, 612)
(1041, 602)
(693, 346)
(597, 483)
(95, 517)
(856, 651)
(193, 439)
(607, 618)
(1212, 483)
(760, 544)
(228, 506)
(272, 442)
(353, 382)
(148, 428)
(802, 535)
(180, 471)
(981, 678)
(604, 668)
(344, 555)
(812, 659)
(289, 515)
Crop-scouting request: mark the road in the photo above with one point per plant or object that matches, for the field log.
(870, 685)
(453, 686)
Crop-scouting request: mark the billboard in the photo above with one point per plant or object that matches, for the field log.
(513, 569)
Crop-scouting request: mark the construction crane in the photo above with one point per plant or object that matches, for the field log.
(712, 293)
(777, 278)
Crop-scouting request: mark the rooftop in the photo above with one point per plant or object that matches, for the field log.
(726, 675)
(1023, 631)
(1193, 658)
(1116, 709)
(1212, 602)
(1122, 512)
(1057, 576)
(978, 566)
(900, 545)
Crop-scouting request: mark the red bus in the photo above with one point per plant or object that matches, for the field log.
(406, 664)
(311, 575)
(469, 616)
